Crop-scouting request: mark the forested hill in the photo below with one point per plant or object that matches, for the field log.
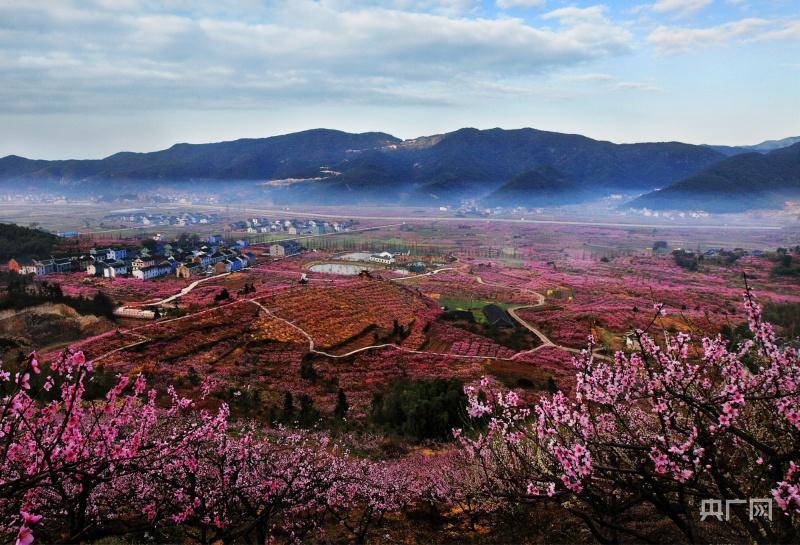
(739, 183)
(24, 243)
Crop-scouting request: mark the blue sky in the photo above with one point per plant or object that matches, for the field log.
(86, 78)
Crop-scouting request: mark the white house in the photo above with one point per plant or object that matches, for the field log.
(153, 271)
(384, 257)
(632, 341)
(115, 269)
(115, 254)
(39, 267)
(284, 248)
(142, 262)
(92, 268)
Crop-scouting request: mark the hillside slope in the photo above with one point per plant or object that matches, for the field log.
(742, 182)
(541, 186)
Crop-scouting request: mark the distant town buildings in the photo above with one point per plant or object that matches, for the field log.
(165, 260)
(148, 219)
(113, 269)
(41, 266)
(262, 225)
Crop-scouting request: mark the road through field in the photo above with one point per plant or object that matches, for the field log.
(187, 289)
(546, 342)
(512, 311)
(520, 221)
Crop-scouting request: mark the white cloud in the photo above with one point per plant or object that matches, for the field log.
(636, 86)
(606, 82)
(407, 5)
(588, 77)
(573, 15)
(80, 56)
(511, 4)
(680, 8)
(684, 39)
(787, 31)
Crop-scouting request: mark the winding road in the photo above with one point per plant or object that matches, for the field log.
(545, 340)
(512, 311)
(187, 289)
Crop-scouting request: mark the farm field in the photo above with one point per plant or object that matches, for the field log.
(550, 280)
(344, 355)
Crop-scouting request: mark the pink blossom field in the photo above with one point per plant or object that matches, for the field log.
(318, 381)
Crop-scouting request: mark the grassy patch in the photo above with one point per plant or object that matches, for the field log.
(472, 305)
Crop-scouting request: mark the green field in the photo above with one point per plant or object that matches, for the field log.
(473, 305)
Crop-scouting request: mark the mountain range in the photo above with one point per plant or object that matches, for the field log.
(525, 167)
(741, 182)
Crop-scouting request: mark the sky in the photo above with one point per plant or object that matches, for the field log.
(87, 78)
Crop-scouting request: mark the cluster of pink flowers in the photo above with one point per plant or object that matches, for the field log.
(334, 316)
(370, 371)
(75, 469)
(464, 343)
(662, 417)
(462, 286)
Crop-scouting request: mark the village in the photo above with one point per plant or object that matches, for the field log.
(146, 262)
(142, 218)
(252, 225)
(185, 256)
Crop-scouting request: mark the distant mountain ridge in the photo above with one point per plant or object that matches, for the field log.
(771, 145)
(741, 182)
(245, 159)
(763, 147)
(525, 167)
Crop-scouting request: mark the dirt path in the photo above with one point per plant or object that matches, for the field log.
(512, 311)
(437, 271)
(187, 289)
(546, 342)
(313, 350)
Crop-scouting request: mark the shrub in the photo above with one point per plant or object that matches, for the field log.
(421, 409)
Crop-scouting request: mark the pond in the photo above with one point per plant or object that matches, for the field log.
(339, 268)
